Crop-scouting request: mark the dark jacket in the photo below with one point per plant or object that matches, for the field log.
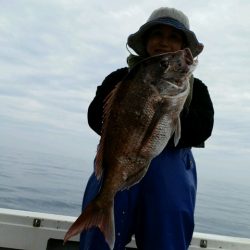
(196, 121)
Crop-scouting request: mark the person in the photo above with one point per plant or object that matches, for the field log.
(159, 210)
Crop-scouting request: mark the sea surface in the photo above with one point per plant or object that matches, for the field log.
(50, 183)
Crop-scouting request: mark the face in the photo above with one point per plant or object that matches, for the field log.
(164, 38)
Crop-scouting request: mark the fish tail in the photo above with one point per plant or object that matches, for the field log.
(95, 215)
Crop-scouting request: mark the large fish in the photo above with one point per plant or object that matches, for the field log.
(140, 116)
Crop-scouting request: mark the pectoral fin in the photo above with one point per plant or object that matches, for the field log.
(177, 133)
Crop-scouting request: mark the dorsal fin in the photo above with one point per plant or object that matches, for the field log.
(108, 101)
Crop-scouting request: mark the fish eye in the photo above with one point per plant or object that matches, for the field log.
(164, 64)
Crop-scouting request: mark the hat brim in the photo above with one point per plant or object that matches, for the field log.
(135, 41)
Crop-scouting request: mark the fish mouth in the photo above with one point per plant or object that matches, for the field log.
(188, 56)
(175, 83)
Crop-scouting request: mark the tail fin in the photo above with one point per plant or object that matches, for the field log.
(95, 215)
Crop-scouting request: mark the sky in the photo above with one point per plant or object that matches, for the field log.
(54, 53)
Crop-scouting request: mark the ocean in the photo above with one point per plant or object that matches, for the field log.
(50, 183)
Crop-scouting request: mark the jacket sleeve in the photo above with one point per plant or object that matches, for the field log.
(95, 110)
(197, 122)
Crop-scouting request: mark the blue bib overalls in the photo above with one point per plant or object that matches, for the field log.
(159, 210)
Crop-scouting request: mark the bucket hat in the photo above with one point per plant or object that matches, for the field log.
(166, 16)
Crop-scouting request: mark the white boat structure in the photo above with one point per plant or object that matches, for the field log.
(23, 230)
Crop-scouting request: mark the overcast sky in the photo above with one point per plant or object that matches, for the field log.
(54, 53)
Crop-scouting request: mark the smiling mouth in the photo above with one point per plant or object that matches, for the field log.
(161, 51)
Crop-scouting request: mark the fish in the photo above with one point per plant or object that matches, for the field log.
(141, 114)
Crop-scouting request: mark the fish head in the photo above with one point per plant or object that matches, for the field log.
(173, 66)
(177, 65)
(168, 70)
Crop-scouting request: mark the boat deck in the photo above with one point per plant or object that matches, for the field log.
(23, 230)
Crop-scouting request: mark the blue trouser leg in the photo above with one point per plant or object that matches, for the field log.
(165, 220)
(159, 210)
